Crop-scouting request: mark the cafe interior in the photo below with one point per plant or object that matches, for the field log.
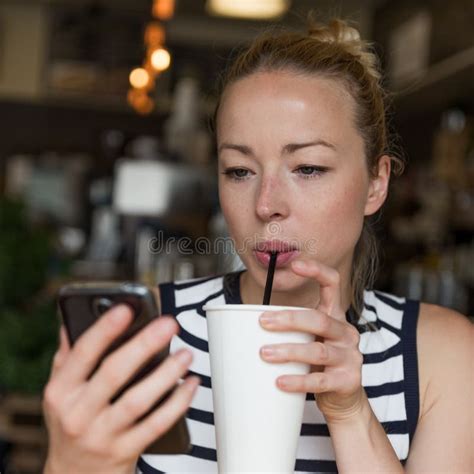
(108, 162)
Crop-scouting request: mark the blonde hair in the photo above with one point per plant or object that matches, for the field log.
(336, 51)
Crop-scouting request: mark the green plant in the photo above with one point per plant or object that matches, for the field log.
(27, 345)
(24, 254)
(28, 323)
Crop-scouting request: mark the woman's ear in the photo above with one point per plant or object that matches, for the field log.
(378, 186)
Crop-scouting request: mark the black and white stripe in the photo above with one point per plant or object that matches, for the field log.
(389, 376)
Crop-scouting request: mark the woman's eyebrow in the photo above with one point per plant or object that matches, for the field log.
(245, 150)
(288, 148)
(292, 147)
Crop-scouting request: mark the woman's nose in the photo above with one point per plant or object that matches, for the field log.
(272, 200)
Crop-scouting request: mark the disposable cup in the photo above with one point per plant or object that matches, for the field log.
(257, 424)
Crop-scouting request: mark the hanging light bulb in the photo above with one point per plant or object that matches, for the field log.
(160, 59)
(251, 9)
(140, 101)
(157, 59)
(163, 9)
(144, 105)
(154, 34)
(139, 78)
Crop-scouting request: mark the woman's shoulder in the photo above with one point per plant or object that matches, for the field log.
(442, 328)
(445, 345)
(435, 320)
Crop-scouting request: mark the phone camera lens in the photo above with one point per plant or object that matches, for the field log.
(101, 305)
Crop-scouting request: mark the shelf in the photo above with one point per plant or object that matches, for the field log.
(97, 102)
(103, 104)
(445, 83)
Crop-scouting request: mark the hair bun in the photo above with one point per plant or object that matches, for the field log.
(339, 32)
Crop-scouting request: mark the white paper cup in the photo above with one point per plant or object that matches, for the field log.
(257, 424)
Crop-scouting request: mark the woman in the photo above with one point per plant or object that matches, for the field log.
(303, 161)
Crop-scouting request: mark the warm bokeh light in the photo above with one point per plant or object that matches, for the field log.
(139, 78)
(163, 9)
(157, 59)
(251, 9)
(144, 105)
(154, 34)
(140, 101)
(160, 59)
(131, 94)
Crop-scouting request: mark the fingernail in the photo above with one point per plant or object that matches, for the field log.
(268, 351)
(267, 318)
(184, 356)
(119, 313)
(192, 383)
(300, 264)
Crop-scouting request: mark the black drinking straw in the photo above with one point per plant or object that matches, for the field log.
(269, 283)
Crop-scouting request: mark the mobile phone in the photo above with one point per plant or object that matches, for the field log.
(80, 304)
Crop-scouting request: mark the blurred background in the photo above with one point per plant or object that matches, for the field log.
(105, 147)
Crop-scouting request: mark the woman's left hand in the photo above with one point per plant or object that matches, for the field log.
(336, 362)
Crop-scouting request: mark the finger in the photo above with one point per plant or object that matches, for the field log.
(64, 346)
(85, 353)
(139, 399)
(316, 353)
(161, 420)
(61, 353)
(120, 366)
(315, 382)
(311, 321)
(329, 285)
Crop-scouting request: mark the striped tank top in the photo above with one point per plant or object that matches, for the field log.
(389, 375)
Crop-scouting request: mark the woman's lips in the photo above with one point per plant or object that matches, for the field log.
(282, 258)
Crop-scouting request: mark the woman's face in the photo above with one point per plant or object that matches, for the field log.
(299, 171)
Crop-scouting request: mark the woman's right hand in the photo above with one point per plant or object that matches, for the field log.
(86, 432)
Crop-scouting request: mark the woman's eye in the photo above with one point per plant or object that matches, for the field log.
(308, 171)
(237, 174)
